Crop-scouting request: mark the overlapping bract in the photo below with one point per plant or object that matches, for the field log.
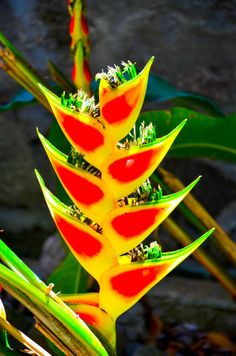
(122, 282)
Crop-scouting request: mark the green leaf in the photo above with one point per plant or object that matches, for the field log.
(22, 98)
(69, 277)
(159, 90)
(19, 267)
(202, 136)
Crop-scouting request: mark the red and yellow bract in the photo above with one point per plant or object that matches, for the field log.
(122, 281)
(120, 107)
(98, 147)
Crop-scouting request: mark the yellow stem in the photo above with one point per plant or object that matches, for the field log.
(202, 256)
(22, 338)
(19, 79)
(53, 338)
(222, 238)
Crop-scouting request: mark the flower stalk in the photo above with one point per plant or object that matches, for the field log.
(20, 70)
(114, 211)
(202, 256)
(114, 205)
(79, 46)
(35, 91)
(223, 241)
(65, 325)
(22, 338)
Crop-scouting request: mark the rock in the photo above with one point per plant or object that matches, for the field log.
(194, 42)
(227, 169)
(227, 220)
(52, 254)
(18, 221)
(213, 194)
(206, 303)
(31, 117)
(189, 39)
(147, 350)
(133, 316)
(17, 180)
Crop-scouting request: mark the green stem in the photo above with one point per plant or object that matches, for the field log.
(58, 330)
(21, 71)
(86, 340)
(202, 256)
(198, 216)
(51, 337)
(19, 267)
(26, 68)
(16, 75)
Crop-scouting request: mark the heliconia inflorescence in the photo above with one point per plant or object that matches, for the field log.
(115, 207)
(79, 45)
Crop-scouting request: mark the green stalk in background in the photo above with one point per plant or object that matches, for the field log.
(198, 215)
(20, 70)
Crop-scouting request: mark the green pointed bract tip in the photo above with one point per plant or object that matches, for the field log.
(50, 198)
(147, 66)
(180, 193)
(46, 192)
(50, 96)
(39, 177)
(181, 254)
(50, 148)
(179, 127)
(151, 60)
(53, 202)
(174, 133)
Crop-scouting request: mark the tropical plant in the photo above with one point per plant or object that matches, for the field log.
(105, 167)
(201, 137)
(114, 209)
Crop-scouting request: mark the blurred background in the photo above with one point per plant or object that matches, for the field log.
(195, 49)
